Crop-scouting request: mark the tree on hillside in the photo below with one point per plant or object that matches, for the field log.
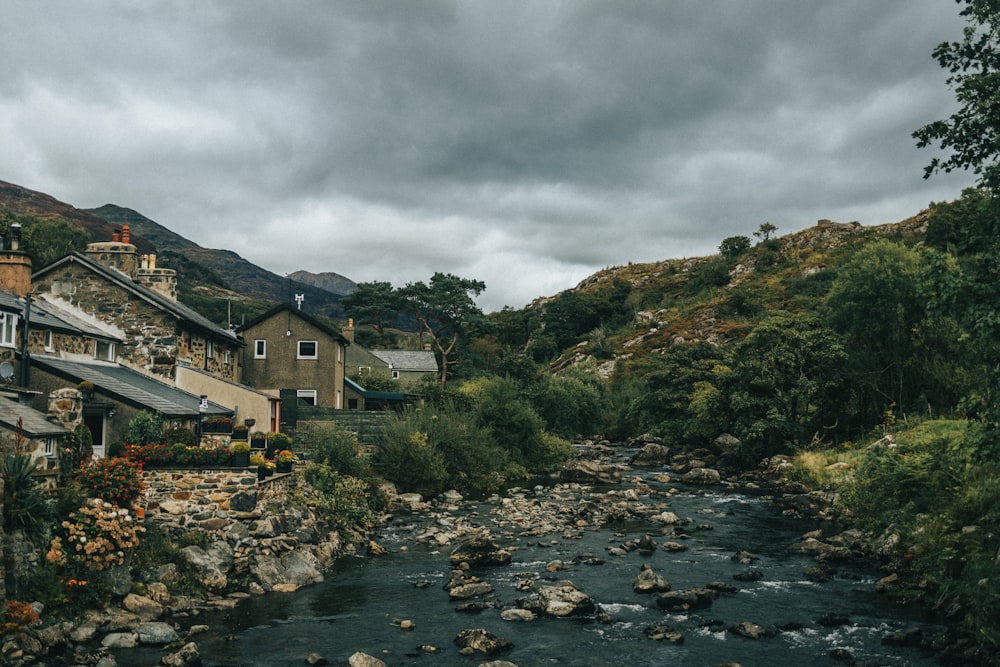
(373, 304)
(734, 246)
(972, 133)
(443, 310)
(765, 230)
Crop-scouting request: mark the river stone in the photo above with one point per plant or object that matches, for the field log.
(664, 633)
(702, 476)
(583, 471)
(316, 659)
(517, 615)
(209, 566)
(564, 599)
(119, 640)
(187, 656)
(748, 630)
(686, 599)
(471, 590)
(156, 633)
(295, 567)
(142, 606)
(478, 549)
(480, 640)
(650, 581)
(667, 518)
(364, 660)
(651, 455)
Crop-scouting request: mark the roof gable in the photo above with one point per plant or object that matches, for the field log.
(175, 308)
(286, 310)
(408, 360)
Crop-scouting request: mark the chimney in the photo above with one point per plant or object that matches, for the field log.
(348, 331)
(15, 265)
(116, 236)
(126, 234)
(163, 281)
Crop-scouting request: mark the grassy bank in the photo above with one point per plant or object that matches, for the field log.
(932, 490)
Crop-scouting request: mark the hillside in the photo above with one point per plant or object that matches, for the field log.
(218, 283)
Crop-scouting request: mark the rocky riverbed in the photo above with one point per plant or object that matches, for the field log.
(630, 493)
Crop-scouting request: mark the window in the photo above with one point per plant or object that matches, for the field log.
(307, 349)
(104, 350)
(226, 359)
(307, 396)
(395, 375)
(50, 447)
(48, 340)
(8, 329)
(260, 349)
(209, 349)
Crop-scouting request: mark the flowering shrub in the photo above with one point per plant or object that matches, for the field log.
(257, 459)
(163, 455)
(99, 535)
(115, 480)
(17, 616)
(285, 456)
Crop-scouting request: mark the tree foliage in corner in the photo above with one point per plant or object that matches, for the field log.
(443, 309)
(972, 134)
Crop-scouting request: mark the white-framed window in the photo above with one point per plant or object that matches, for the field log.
(260, 349)
(395, 375)
(226, 357)
(340, 353)
(8, 329)
(209, 348)
(50, 447)
(307, 349)
(48, 340)
(307, 396)
(104, 350)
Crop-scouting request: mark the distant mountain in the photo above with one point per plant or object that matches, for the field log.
(329, 281)
(217, 283)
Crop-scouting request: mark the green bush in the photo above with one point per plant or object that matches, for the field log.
(335, 447)
(144, 429)
(409, 461)
(24, 504)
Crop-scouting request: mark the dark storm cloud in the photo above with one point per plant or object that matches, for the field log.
(526, 144)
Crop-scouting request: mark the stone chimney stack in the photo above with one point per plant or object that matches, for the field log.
(348, 331)
(163, 281)
(15, 265)
(118, 253)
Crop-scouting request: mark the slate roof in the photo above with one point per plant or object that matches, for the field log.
(175, 308)
(374, 395)
(282, 307)
(131, 387)
(34, 424)
(47, 315)
(408, 360)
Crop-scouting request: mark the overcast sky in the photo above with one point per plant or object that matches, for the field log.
(525, 144)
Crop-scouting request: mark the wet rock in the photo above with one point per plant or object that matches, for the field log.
(297, 568)
(478, 549)
(752, 574)
(583, 471)
(888, 583)
(517, 615)
(842, 655)
(666, 518)
(471, 590)
(316, 659)
(820, 551)
(686, 599)
(832, 620)
(651, 455)
(650, 581)
(156, 633)
(818, 573)
(745, 557)
(721, 586)
(364, 660)
(664, 633)
(749, 630)
(186, 656)
(909, 637)
(208, 566)
(116, 640)
(480, 640)
(673, 546)
(142, 606)
(564, 599)
(702, 476)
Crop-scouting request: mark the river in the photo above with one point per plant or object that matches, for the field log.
(360, 605)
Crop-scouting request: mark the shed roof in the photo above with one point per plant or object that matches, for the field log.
(131, 387)
(408, 360)
(32, 423)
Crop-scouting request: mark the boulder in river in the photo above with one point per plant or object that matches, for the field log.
(650, 581)
(582, 471)
(651, 455)
(478, 549)
(686, 599)
(702, 476)
(564, 599)
(480, 640)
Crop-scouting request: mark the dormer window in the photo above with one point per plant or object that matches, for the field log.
(104, 350)
(8, 329)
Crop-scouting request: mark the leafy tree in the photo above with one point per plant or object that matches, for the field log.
(443, 310)
(785, 384)
(734, 246)
(765, 230)
(375, 304)
(972, 133)
(146, 428)
(878, 302)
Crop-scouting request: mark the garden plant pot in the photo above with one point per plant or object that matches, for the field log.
(241, 459)
(284, 467)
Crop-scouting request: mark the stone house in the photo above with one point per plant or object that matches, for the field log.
(128, 293)
(24, 430)
(288, 350)
(408, 366)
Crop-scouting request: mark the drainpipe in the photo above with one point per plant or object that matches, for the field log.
(25, 356)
